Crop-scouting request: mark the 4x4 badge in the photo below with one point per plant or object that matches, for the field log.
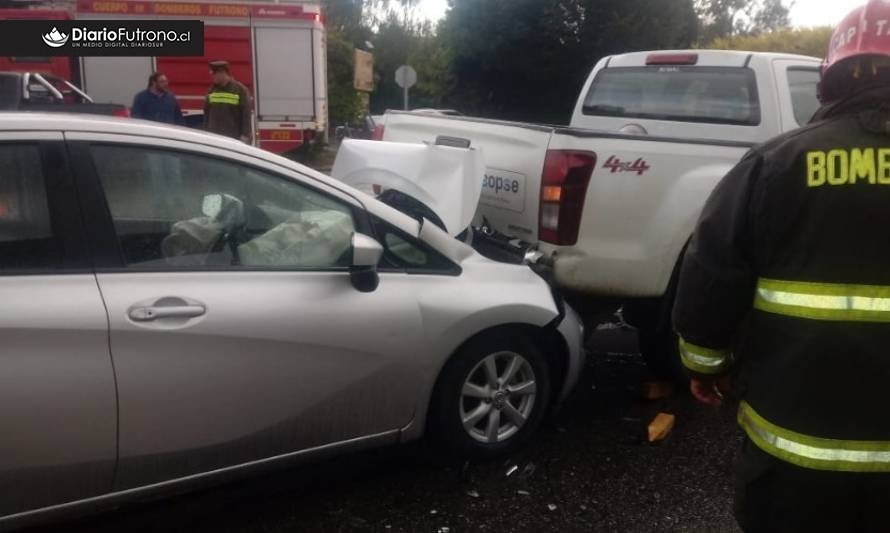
(615, 164)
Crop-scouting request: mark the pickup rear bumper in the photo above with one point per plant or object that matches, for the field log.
(568, 324)
(611, 273)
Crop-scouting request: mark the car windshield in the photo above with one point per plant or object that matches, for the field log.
(696, 94)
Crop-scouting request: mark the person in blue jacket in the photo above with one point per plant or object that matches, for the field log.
(157, 103)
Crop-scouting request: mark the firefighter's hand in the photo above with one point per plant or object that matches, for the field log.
(710, 391)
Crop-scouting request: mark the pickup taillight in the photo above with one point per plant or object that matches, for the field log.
(122, 112)
(563, 190)
(378, 133)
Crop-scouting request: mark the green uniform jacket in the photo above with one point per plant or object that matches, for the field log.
(227, 111)
(787, 277)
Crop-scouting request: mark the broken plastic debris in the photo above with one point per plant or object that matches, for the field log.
(661, 427)
(512, 470)
(583, 507)
(551, 506)
(434, 512)
(473, 494)
(444, 529)
(523, 493)
(527, 471)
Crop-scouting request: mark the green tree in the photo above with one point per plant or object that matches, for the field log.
(435, 80)
(399, 41)
(804, 41)
(344, 102)
(772, 15)
(527, 59)
(726, 18)
(348, 19)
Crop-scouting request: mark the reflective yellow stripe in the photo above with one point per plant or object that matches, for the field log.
(224, 98)
(703, 360)
(814, 452)
(824, 301)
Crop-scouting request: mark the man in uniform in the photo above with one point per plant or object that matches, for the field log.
(786, 285)
(227, 105)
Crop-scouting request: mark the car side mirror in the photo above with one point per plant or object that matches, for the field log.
(366, 253)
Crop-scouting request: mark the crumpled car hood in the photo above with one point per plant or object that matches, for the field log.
(448, 180)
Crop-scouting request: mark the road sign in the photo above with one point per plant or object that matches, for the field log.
(406, 77)
(364, 71)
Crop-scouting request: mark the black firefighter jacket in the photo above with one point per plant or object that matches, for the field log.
(787, 279)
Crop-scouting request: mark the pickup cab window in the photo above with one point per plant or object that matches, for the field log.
(716, 95)
(803, 83)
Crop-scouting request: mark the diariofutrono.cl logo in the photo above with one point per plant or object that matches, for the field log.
(115, 38)
(55, 38)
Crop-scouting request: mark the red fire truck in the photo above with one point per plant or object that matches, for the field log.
(276, 50)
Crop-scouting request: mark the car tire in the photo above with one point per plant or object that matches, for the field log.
(475, 416)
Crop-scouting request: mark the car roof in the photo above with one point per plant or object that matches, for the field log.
(101, 124)
(75, 122)
(37, 121)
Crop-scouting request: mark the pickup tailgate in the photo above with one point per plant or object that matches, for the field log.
(643, 200)
(514, 156)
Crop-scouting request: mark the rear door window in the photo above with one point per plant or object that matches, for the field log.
(716, 95)
(28, 240)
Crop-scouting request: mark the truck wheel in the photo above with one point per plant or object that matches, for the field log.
(491, 397)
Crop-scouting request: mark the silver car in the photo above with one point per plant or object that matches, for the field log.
(177, 308)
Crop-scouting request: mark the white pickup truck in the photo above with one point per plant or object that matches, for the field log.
(613, 198)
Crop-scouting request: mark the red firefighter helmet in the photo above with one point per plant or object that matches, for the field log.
(859, 51)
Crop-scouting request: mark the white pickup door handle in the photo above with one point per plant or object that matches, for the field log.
(147, 314)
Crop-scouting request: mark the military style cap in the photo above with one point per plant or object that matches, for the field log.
(219, 65)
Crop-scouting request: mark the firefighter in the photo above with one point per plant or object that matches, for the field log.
(227, 105)
(785, 286)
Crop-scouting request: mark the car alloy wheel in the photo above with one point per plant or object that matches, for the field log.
(498, 397)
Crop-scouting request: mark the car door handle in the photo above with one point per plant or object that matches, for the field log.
(149, 313)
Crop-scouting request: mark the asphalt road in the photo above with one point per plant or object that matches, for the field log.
(590, 470)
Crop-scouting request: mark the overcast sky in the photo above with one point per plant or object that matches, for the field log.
(804, 13)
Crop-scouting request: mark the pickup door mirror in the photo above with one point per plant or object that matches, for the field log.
(366, 253)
